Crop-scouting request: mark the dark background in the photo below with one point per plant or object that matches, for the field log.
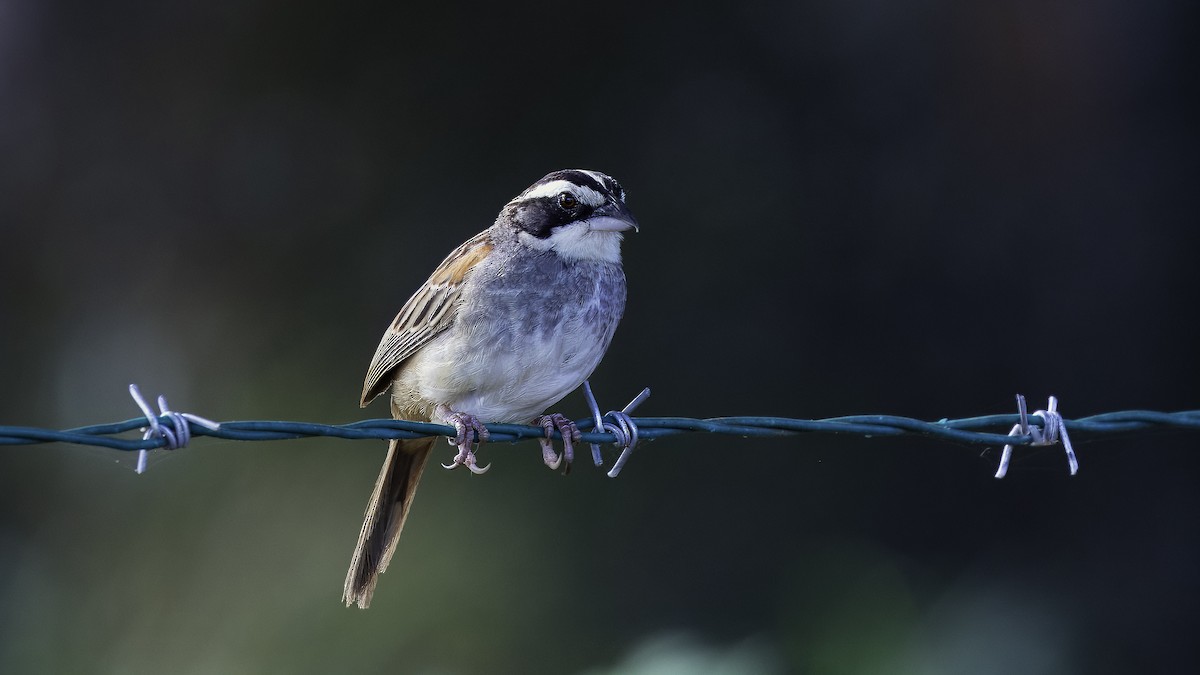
(918, 208)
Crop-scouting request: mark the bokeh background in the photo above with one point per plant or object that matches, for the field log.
(917, 207)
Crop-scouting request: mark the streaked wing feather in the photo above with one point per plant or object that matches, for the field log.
(427, 313)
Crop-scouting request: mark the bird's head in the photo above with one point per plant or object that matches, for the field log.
(576, 213)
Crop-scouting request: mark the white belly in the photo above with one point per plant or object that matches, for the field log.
(503, 385)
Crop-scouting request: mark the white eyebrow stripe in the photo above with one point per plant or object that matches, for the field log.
(555, 187)
(603, 180)
(596, 176)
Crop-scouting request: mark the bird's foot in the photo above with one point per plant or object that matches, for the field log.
(467, 428)
(570, 435)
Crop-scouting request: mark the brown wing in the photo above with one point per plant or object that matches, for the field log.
(428, 312)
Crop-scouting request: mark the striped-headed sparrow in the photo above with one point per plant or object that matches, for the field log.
(511, 322)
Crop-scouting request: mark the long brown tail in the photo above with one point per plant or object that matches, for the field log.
(386, 513)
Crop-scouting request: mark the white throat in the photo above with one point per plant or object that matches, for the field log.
(578, 241)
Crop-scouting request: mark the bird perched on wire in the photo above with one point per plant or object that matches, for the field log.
(512, 321)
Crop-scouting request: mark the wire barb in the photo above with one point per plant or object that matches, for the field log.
(175, 436)
(1053, 426)
(625, 431)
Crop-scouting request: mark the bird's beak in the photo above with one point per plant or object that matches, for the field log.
(612, 217)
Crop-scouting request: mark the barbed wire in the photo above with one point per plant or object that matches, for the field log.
(971, 430)
(172, 429)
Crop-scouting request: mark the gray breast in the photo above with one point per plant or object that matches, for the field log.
(536, 297)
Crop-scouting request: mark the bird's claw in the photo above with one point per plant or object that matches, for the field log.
(549, 455)
(570, 435)
(464, 425)
(468, 460)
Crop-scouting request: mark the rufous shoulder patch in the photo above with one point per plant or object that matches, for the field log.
(455, 268)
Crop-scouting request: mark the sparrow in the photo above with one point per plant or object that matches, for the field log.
(513, 320)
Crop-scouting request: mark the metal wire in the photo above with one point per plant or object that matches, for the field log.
(984, 430)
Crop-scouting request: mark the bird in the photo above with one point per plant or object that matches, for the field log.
(512, 321)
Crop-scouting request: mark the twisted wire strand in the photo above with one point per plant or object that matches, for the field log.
(983, 430)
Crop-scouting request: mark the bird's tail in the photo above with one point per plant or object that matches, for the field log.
(386, 513)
